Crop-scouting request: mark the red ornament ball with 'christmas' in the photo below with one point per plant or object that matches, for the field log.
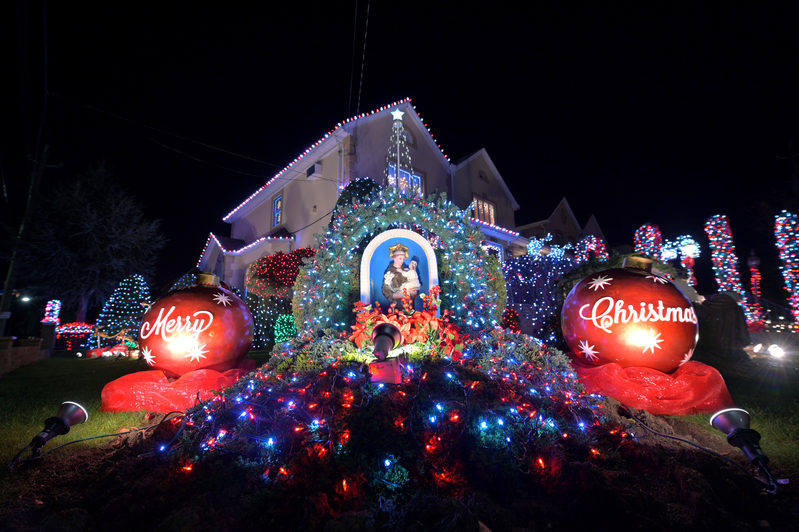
(201, 327)
(630, 316)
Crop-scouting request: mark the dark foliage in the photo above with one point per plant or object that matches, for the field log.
(88, 234)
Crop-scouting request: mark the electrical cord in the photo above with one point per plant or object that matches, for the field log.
(15, 462)
(771, 486)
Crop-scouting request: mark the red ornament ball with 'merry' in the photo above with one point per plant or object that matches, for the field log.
(201, 327)
(630, 316)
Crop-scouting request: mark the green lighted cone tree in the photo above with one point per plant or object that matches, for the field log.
(329, 286)
(124, 309)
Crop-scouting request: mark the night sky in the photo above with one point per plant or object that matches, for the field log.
(648, 114)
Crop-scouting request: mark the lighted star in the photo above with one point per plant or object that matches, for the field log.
(588, 351)
(196, 353)
(657, 279)
(148, 356)
(397, 114)
(688, 356)
(649, 341)
(224, 299)
(599, 282)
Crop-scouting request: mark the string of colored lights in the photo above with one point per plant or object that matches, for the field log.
(327, 135)
(507, 396)
(725, 262)
(754, 283)
(330, 284)
(590, 244)
(532, 281)
(648, 240)
(51, 312)
(689, 251)
(785, 230)
(76, 335)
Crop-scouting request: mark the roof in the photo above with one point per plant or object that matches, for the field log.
(483, 153)
(327, 142)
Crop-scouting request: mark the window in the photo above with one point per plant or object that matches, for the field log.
(277, 210)
(409, 184)
(484, 210)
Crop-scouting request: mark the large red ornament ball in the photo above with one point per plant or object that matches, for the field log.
(632, 317)
(201, 327)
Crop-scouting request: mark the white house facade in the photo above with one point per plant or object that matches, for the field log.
(294, 205)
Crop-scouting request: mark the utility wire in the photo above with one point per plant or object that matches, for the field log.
(164, 132)
(363, 60)
(352, 59)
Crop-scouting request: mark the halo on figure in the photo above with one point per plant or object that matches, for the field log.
(398, 248)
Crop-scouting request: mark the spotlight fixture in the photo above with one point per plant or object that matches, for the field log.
(734, 422)
(69, 414)
(776, 351)
(386, 337)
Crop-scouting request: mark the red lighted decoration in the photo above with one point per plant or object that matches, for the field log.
(194, 340)
(201, 327)
(632, 334)
(631, 317)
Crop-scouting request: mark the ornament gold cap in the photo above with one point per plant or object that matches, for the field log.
(207, 279)
(638, 262)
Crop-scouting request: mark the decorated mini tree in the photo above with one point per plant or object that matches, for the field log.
(124, 310)
(786, 229)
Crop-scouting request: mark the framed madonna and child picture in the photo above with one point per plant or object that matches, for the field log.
(396, 261)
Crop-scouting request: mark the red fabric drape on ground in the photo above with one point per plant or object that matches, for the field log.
(152, 391)
(693, 388)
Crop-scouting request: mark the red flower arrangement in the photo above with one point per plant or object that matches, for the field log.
(415, 325)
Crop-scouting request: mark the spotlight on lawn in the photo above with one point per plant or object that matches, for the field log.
(385, 337)
(69, 414)
(734, 422)
(776, 351)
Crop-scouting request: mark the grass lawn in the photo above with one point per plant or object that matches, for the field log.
(33, 393)
(767, 388)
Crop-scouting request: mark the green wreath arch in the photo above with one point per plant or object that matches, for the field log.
(329, 285)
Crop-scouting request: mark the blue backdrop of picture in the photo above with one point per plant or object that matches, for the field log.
(379, 265)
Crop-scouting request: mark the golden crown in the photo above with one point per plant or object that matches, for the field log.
(399, 247)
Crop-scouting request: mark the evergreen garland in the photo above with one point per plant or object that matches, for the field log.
(329, 286)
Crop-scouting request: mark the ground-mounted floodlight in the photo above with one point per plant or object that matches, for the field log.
(69, 414)
(734, 422)
(385, 336)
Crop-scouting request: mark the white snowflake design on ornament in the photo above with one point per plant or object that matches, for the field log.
(588, 351)
(148, 356)
(657, 279)
(196, 352)
(688, 356)
(599, 282)
(650, 342)
(222, 299)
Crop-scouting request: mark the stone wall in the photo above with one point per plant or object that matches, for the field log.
(12, 358)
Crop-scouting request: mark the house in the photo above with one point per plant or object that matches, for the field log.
(563, 226)
(286, 212)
